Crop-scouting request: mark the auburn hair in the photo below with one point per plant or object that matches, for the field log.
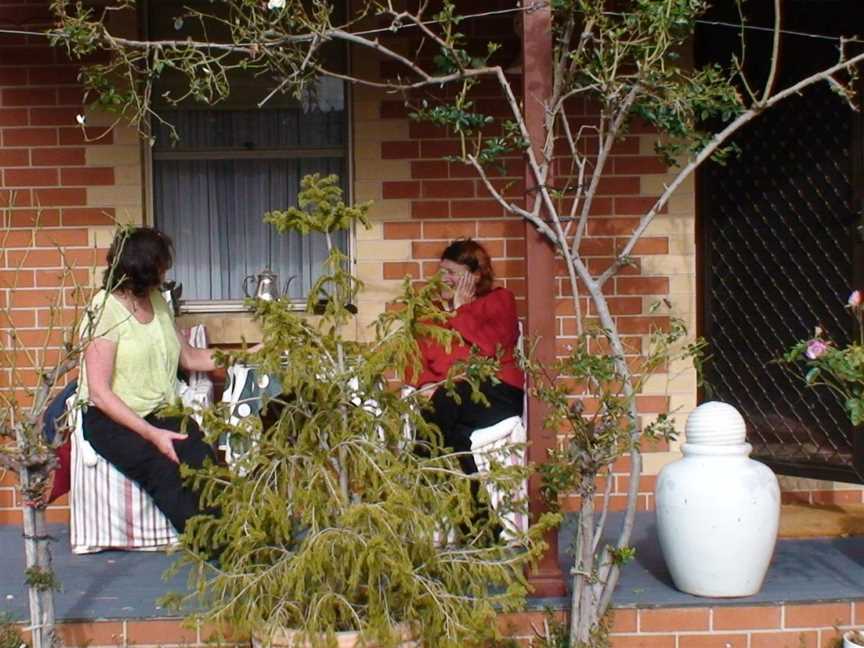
(473, 256)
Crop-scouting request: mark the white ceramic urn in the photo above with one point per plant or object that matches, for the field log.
(853, 639)
(717, 509)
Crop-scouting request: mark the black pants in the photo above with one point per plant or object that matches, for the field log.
(458, 421)
(140, 460)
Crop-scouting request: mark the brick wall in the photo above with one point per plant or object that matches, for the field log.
(421, 202)
(61, 189)
(767, 626)
(799, 490)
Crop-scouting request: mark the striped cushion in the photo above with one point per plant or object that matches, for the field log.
(109, 511)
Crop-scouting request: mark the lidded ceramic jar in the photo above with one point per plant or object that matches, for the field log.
(717, 510)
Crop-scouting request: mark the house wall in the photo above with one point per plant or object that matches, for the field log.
(746, 626)
(62, 188)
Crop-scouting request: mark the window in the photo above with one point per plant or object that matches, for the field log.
(233, 163)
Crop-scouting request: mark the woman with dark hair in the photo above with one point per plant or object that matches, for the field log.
(485, 317)
(129, 372)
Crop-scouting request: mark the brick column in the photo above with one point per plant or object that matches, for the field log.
(547, 580)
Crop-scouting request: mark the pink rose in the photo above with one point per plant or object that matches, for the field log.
(854, 299)
(816, 348)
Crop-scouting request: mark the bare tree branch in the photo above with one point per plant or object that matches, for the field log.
(775, 55)
(603, 154)
(708, 150)
(539, 223)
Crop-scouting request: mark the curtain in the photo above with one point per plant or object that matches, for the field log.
(213, 210)
(212, 206)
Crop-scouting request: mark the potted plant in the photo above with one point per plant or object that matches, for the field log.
(332, 529)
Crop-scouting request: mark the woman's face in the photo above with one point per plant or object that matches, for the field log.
(451, 272)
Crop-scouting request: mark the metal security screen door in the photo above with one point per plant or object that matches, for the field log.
(779, 243)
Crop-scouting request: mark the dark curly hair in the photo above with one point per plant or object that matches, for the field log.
(473, 256)
(137, 259)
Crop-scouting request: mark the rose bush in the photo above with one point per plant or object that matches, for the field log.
(840, 368)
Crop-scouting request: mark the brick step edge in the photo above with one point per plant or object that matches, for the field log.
(801, 625)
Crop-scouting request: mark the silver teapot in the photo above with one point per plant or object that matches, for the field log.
(266, 286)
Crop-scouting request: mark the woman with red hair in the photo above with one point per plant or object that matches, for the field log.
(485, 318)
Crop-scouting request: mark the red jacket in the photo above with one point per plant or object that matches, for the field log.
(489, 323)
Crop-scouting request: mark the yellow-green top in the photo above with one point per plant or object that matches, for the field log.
(145, 364)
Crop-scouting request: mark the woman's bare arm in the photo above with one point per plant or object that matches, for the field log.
(99, 362)
(193, 358)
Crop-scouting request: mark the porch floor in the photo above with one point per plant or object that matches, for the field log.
(125, 585)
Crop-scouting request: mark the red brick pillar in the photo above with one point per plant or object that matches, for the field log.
(547, 579)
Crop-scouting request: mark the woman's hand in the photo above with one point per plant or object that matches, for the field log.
(164, 442)
(463, 291)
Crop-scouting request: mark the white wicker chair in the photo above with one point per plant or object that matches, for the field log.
(503, 442)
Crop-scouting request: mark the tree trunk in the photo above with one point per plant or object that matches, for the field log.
(38, 558)
(605, 571)
(583, 604)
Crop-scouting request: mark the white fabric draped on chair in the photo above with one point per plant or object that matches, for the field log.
(109, 511)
